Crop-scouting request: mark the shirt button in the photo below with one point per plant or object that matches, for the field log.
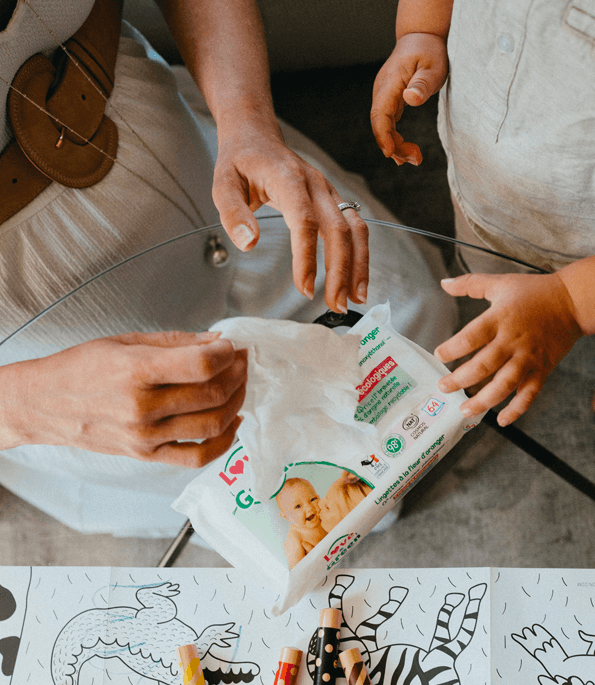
(505, 43)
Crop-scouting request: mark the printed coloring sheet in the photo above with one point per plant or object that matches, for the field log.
(543, 626)
(100, 626)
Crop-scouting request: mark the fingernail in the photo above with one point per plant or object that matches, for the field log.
(242, 236)
(439, 357)
(503, 422)
(398, 160)
(362, 292)
(342, 300)
(447, 280)
(417, 91)
(412, 160)
(208, 335)
(466, 412)
(309, 286)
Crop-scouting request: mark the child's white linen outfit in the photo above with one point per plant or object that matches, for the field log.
(517, 121)
(65, 237)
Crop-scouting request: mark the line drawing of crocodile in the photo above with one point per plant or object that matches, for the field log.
(561, 669)
(145, 640)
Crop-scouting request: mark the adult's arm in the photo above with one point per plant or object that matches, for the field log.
(223, 46)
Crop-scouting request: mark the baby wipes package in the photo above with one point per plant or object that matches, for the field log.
(336, 430)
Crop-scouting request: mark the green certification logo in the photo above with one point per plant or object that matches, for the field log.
(393, 445)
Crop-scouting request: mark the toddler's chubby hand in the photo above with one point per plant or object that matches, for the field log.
(417, 69)
(529, 327)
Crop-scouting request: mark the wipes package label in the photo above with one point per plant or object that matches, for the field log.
(382, 388)
(292, 526)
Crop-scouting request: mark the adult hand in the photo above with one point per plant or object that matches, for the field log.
(530, 326)
(255, 167)
(135, 394)
(416, 69)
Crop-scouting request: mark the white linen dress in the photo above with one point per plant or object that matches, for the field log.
(65, 237)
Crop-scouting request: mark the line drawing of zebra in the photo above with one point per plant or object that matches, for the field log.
(145, 640)
(406, 664)
(561, 669)
(559, 680)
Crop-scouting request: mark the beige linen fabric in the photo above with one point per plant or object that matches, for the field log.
(517, 120)
(66, 237)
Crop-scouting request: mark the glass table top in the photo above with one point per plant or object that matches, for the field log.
(493, 500)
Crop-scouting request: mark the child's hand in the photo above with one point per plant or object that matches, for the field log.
(416, 69)
(529, 327)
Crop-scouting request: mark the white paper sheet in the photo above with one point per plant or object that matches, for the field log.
(468, 626)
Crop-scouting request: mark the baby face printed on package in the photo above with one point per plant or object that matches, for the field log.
(298, 504)
(313, 499)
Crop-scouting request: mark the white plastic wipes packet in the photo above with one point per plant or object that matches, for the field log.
(299, 397)
(288, 527)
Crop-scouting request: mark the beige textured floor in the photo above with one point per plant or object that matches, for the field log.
(30, 537)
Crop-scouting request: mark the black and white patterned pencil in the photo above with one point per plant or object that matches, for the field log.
(327, 646)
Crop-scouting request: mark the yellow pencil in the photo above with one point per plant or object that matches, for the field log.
(190, 668)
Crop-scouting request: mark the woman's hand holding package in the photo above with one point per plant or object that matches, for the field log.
(531, 325)
(135, 394)
(255, 167)
(416, 70)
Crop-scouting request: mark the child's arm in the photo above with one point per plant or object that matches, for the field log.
(416, 69)
(532, 323)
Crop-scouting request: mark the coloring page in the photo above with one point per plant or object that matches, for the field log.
(412, 626)
(543, 627)
(100, 626)
(89, 626)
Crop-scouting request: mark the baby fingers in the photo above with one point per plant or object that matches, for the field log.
(474, 335)
(524, 398)
(482, 365)
(506, 380)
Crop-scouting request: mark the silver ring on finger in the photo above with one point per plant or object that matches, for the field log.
(350, 205)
